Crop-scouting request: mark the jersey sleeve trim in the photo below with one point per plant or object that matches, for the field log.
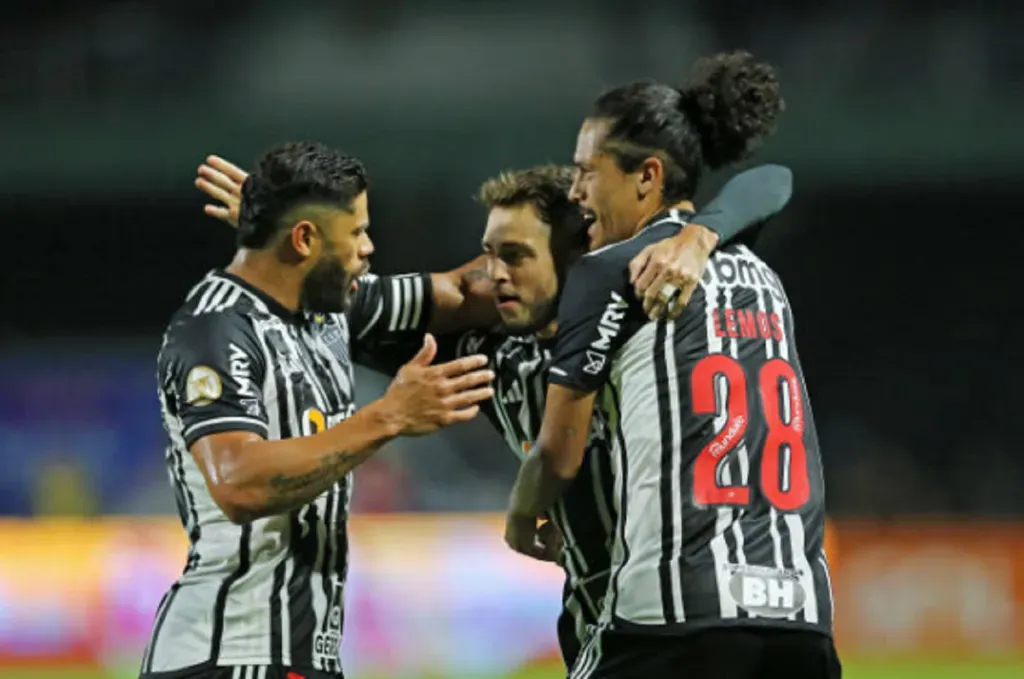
(400, 305)
(563, 379)
(219, 425)
(407, 305)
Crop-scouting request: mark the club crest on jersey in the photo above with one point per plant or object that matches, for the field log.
(202, 386)
(471, 344)
(766, 592)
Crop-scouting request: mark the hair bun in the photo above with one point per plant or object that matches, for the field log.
(732, 101)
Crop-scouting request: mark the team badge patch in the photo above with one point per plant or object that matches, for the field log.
(202, 386)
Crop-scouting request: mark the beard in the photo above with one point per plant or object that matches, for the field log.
(540, 316)
(327, 288)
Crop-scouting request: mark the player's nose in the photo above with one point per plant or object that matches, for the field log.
(496, 269)
(576, 190)
(367, 248)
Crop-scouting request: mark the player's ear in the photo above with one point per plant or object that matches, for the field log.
(303, 238)
(649, 176)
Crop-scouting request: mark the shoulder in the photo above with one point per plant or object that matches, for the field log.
(216, 313)
(622, 252)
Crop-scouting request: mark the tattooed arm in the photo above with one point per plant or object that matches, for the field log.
(250, 477)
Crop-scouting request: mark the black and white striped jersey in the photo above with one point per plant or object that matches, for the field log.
(269, 592)
(585, 515)
(718, 483)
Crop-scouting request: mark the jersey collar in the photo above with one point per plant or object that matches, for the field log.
(272, 304)
(669, 215)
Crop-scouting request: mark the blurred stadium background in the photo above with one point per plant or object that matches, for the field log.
(900, 253)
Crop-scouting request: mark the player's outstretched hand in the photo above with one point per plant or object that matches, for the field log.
(527, 535)
(665, 274)
(222, 181)
(427, 397)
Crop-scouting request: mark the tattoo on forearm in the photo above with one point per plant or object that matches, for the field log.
(288, 491)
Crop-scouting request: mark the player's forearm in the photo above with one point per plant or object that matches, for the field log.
(746, 200)
(272, 477)
(540, 484)
(463, 299)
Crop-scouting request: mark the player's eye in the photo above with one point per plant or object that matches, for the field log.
(512, 257)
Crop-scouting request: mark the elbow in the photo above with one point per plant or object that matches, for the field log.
(783, 185)
(233, 476)
(237, 504)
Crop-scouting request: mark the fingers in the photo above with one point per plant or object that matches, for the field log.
(220, 180)
(467, 398)
(477, 378)
(218, 212)
(534, 550)
(427, 353)
(237, 174)
(638, 264)
(216, 192)
(659, 294)
(462, 365)
(678, 304)
(526, 544)
(462, 415)
(550, 539)
(654, 269)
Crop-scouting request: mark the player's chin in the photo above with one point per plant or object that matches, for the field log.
(518, 324)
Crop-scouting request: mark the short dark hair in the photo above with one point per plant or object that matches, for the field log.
(546, 188)
(720, 117)
(290, 175)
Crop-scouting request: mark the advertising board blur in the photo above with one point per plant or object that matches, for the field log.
(442, 595)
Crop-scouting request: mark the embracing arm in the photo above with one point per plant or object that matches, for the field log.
(747, 200)
(665, 274)
(460, 298)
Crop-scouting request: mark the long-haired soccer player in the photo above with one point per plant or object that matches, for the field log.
(717, 561)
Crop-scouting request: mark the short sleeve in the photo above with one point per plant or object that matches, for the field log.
(212, 371)
(390, 308)
(596, 317)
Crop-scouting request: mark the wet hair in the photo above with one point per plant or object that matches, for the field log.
(727, 108)
(546, 188)
(292, 175)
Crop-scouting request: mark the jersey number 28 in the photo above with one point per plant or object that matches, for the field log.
(784, 477)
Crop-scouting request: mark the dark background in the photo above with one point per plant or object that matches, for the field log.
(899, 250)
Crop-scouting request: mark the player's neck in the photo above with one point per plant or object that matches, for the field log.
(650, 213)
(263, 271)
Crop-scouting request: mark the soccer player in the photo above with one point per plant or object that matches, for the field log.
(534, 233)
(256, 389)
(717, 561)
